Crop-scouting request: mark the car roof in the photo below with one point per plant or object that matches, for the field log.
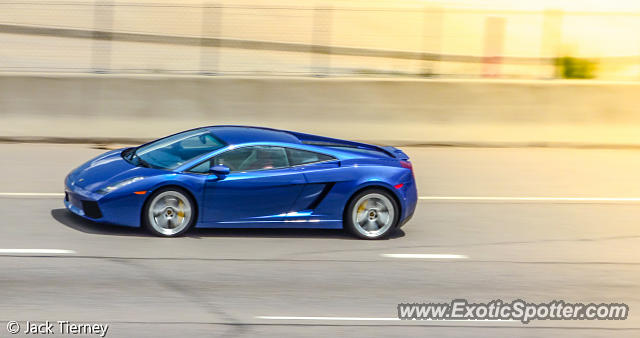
(237, 135)
(245, 134)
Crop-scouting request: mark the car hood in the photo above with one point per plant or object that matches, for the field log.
(104, 170)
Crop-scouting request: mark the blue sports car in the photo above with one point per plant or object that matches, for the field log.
(234, 176)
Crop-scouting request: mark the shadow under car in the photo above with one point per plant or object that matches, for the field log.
(75, 222)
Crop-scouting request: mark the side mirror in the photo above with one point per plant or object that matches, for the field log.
(220, 170)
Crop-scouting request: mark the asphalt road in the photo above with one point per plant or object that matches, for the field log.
(223, 282)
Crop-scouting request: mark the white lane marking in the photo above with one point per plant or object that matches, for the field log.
(36, 251)
(31, 194)
(426, 256)
(324, 318)
(374, 319)
(426, 198)
(535, 199)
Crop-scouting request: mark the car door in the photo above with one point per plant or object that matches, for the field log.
(260, 187)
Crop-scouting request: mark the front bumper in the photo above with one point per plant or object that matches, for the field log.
(83, 203)
(82, 207)
(117, 209)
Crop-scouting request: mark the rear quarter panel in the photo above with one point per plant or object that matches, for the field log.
(353, 175)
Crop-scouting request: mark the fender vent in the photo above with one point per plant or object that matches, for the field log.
(321, 196)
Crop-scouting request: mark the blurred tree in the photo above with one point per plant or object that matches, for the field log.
(568, 67)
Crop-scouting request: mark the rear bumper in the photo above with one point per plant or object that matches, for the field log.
(405, 220)
(409, 201)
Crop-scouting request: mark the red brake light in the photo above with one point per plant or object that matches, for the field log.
(407, 165)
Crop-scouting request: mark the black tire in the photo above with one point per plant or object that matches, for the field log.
(374, 201)
(180, 209)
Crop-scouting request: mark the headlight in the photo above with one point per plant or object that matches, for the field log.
(118, 185)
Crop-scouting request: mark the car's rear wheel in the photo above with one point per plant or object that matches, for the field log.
(372, 214)
(169, 213)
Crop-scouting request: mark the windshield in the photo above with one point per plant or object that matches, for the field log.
(173, 151)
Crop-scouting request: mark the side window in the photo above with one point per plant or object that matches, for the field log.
(201, 168)
(300, 157)
(253, 158)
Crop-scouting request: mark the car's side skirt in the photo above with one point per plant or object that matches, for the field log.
(288, 224)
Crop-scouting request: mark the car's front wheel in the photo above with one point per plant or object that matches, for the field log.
(169, 212)
(372, 214)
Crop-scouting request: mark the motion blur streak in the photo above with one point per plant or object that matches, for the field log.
(367, 319)
(31, 194)
(492, 39)
(35, 251)
(532, 199)
(428, 198)
(325, 318)
(426, 256)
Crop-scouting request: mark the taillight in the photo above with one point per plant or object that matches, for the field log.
(407, 165)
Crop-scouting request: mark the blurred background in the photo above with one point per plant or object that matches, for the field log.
(410, 38)
(407, 72)
(520, 118)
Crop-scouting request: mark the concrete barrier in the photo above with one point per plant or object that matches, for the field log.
(383, 110)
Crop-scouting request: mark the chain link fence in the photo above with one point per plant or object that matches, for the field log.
(221, 39)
